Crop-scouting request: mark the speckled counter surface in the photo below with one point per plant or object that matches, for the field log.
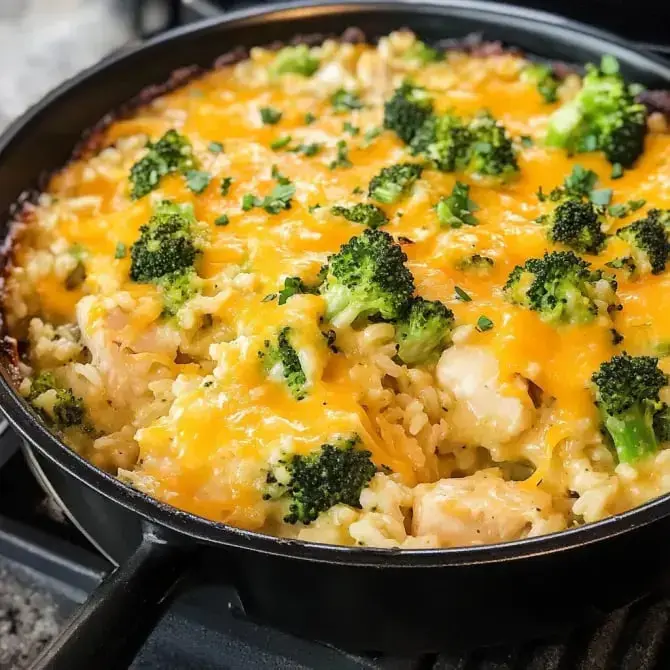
(43, 42)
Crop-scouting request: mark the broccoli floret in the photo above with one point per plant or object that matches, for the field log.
(561, 287)
(367, 277)
(394, 181)
(627, 394)
(313, 483)
(366, 214)
(648, 240)
(60, 406)
(602, 116)
(178, 287)
(543, 77)
(492, 152)
(281, 360)
(577, 224)
(407, 110)
(172, 153)
(294, 286)
(445, 141)
(421, 53)
(424, 331)
(457, 209)
(166, 244)
(295, 60)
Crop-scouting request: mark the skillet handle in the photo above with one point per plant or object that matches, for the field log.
(112, 625)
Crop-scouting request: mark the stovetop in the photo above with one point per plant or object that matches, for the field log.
(47, 568)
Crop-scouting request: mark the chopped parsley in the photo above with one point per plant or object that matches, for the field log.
(308, 150)
(348, 127)
(225, 185)
(371, 134)
(197, 180)
(624, 209)
(215, 147)
(222, 220)
(342, 157)
(309, 118)
(484, 324)
(270, 115)
(526, 141)
(617, 171)
(457, 209)
(461, 294)
(280, 142)
(279, 199)
(281, 179)
(601, 196)
(121, 250)
(345, 101)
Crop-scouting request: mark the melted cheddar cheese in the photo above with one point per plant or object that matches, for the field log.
(182, 408)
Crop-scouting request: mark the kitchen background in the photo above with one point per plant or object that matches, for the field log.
(46, 567)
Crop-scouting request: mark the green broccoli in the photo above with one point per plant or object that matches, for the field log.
(627, 394)
(313, 483)
(492, 152)
(577, 224)
(364, 213)
(648, 240)
(424, 331)
(407, 110)
(178, 287)
(295, 60)
(63, 409)
(561, 287)
(602, 116)
(457, 209)
(367, 277)
(543, 77)
(166, 244)
(172, 153)
(281, 360)
(423, 54)
(445, 141)
(393, 182)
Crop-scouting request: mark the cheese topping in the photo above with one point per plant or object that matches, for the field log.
(187, 407)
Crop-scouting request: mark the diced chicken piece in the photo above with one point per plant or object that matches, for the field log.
(484, 414)
(481, 509)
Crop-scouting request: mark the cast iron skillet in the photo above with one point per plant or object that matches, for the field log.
(364, 599)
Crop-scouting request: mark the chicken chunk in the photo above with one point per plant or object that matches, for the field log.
(485, 413)
(482, 509)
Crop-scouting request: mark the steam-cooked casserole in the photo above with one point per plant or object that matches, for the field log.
(363, 295)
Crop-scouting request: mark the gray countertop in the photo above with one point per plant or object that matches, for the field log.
(43, 42)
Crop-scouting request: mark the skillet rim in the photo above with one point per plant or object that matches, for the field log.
(188, 526)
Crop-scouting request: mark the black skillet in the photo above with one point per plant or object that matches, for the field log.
(363, 599)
